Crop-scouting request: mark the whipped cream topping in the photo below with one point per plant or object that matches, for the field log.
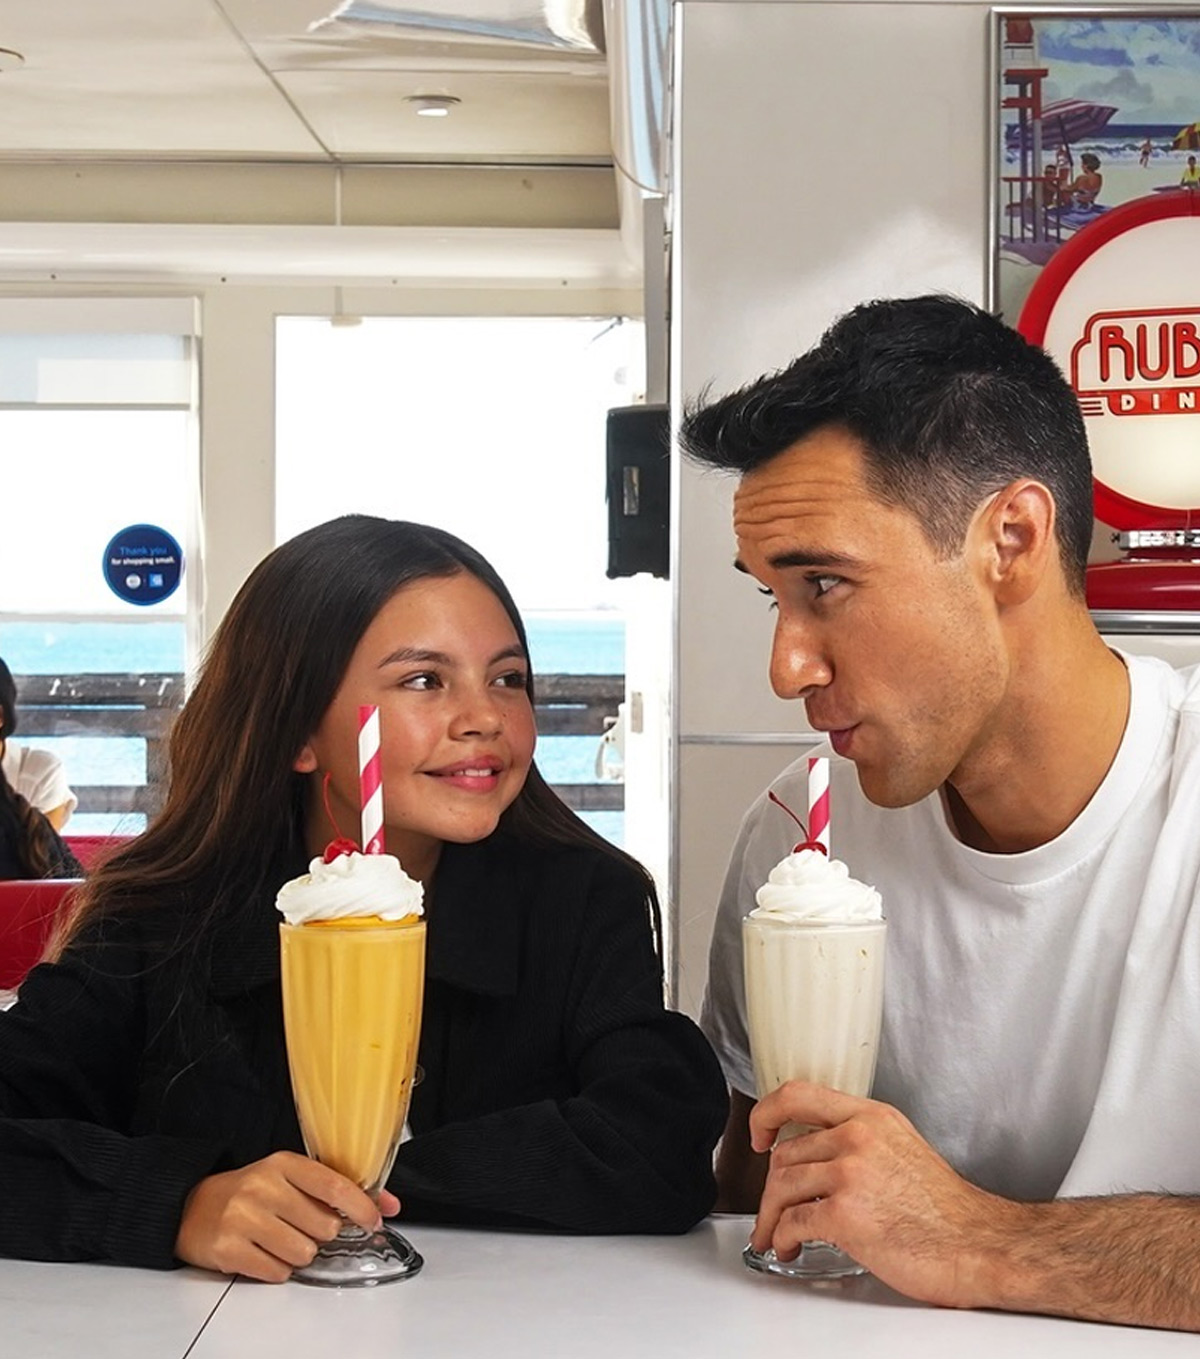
(351, 885)
(807, 886)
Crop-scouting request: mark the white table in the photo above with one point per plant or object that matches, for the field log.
(530, 1297)
(102, 1311)
(539, 1297)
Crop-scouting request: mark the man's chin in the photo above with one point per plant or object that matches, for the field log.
(885, 788)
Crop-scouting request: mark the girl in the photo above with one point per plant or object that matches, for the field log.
(146, 1109)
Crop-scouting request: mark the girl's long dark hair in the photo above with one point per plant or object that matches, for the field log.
(33, 840)
(235, 808)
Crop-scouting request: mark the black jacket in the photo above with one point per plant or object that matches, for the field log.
(558, 1093)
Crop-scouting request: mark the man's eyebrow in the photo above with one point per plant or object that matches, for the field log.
(412, 655)
(799, 557)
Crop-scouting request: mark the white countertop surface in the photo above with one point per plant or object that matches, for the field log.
(102, 1311)
(537, 1297)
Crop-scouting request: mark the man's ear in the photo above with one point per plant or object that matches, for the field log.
(306, 762)
(1017, 539)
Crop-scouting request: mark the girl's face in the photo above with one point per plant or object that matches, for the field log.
(443, 663)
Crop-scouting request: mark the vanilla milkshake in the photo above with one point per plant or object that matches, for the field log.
(352, 960)
(813, 951)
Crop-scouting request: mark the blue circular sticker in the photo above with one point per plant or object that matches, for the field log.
(142, 564)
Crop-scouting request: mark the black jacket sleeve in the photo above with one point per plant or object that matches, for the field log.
(78, 1178)
(634, 1100)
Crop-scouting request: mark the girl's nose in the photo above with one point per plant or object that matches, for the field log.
(478, 715)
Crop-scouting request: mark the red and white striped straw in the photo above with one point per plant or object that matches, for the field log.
(370, 779)
(818, 801)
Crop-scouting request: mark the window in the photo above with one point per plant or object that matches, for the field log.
(97, 433)
(494, 429)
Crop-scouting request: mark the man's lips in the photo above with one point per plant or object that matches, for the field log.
(840, 738)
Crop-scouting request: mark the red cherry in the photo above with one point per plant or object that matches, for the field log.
(810, 844)
(336, 848)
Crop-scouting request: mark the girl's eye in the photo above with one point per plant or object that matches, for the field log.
(425, 680)
(513, 679)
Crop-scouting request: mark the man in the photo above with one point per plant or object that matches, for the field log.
(915, 496)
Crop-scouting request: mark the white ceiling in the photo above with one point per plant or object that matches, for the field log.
(115, 99)
(254, 79)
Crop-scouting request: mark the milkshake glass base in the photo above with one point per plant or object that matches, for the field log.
(359, 1259)
(817, 1260)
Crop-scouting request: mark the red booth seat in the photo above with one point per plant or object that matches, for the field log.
(28, 909)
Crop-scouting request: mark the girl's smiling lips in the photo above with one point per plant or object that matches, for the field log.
(479, 775)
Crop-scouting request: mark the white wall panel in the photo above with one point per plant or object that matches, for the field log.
(825, 154)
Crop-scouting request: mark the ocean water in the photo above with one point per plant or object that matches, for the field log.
(1116, 142)
(559, 643)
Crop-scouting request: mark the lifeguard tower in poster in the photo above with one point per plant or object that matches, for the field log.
(1039, 203)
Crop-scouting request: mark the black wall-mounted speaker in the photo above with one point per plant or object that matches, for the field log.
(638, 490)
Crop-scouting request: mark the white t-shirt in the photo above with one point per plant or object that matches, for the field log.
(1042, 1010)
(39, 777)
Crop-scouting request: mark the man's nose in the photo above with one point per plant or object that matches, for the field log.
(798, 660)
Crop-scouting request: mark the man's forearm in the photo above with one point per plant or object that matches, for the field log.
(1133, 1259)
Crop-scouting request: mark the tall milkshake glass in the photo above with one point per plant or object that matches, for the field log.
(352, 994)
(814, 1002)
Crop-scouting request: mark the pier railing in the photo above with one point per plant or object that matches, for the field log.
(144, 706)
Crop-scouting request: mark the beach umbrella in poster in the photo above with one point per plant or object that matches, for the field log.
(1187, 138)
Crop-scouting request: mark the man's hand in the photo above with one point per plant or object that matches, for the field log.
(865, 1180)
(270, 1217)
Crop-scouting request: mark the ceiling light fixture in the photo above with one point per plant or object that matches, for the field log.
(10, 60)
(432, 105)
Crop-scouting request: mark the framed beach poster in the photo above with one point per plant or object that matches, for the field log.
(1092, 109)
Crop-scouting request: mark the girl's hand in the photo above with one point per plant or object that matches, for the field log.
(270, 1217)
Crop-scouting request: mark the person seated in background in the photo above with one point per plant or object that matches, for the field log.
(146, 1112)
(1084, 189)
(915, 496)
(36, 775)
(1190, 178)
(1052, 186)
(30, 847)
(1046, 189)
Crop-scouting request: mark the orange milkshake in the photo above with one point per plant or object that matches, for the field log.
(352, 1012)
(352, 970)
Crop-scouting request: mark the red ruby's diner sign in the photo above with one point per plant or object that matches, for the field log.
(1138, 363)
(1118, 306)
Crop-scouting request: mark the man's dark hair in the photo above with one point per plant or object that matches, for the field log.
(949, 403)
